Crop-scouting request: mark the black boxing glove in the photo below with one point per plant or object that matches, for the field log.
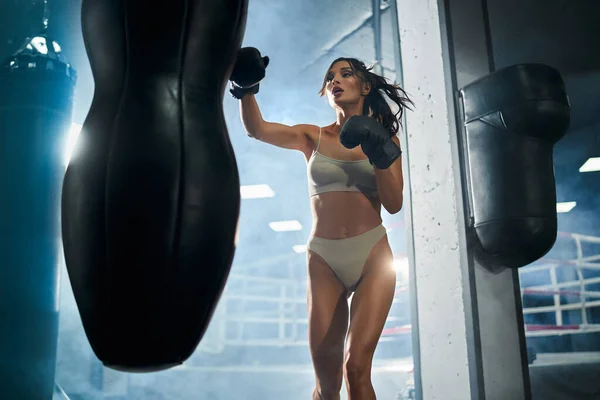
(249, 69)
(375, 141)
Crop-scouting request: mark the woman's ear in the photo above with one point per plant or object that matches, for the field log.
(366, 88)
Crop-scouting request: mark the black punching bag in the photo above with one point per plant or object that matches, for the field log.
(36, 101)
(513, 117)
(151, 197)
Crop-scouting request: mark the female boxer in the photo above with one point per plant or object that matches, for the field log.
(348, 249)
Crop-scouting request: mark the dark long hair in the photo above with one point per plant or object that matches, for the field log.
(376, 105)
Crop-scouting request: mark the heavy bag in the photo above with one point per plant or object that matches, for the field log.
(512, 119)
(36, 102)
(151, 197)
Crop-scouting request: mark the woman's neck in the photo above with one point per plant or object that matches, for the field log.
(343, 114)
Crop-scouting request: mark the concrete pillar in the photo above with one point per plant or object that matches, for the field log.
(470, 342)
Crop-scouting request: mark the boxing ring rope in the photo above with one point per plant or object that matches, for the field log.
(59, 393)
(560, 291)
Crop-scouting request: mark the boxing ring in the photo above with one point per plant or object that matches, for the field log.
(275, 309)
(571, 294)
(263, 315)
(277, 306)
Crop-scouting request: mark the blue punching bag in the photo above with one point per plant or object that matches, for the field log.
(36, 99)
(513, 117)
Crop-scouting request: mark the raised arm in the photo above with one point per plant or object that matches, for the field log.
(248, 71)
(295, 137)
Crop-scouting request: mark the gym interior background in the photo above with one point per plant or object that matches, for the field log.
(256, 347)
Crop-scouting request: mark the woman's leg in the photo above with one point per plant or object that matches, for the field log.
(327, 326)
(369, 310)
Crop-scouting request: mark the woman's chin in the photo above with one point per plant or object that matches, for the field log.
(339, 102)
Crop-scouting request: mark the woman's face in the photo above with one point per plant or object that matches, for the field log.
(343, 86)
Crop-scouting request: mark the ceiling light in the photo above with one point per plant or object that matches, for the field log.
(300, 248)
(284, 226)
(592, 164)
(565, 207)
(256, 191)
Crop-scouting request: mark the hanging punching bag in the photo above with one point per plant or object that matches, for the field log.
(151, 197)
(513, 118)
(36, 99)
